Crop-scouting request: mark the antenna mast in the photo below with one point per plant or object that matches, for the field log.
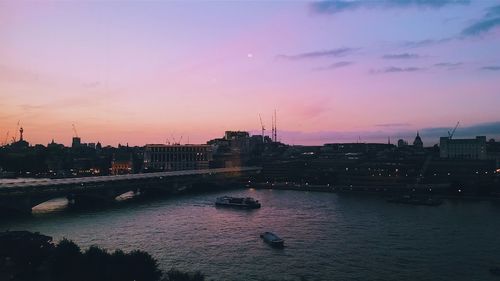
(263, 128)
(275, 129)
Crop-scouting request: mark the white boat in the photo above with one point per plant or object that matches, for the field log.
(272, 239)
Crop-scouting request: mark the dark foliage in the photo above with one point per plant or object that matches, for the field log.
(66, 261)
(23, 254)
(26, 256)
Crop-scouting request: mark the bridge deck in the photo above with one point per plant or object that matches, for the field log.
(101, 179)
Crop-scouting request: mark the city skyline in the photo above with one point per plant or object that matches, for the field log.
(142, 72)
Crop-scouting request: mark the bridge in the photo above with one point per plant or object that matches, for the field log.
(22, 195)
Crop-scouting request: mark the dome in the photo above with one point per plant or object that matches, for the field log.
(418, 141)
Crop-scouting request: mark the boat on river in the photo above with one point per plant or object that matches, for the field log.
(272, 239)
(237, 202)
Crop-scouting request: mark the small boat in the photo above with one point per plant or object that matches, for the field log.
(272, 239)
(416, 200)
(237, 202)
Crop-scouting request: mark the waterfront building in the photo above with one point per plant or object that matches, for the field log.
(177, 157)
(76, 142)
(122, 164)
(463, 148)
(236, 148)
(239, 141)
(234, 135)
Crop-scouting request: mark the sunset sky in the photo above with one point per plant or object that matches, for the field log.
(142, 72)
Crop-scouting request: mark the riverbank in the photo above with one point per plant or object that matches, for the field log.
(438, 190)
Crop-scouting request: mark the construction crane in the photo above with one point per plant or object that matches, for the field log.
(272, 128)
(275, 130)
(176, 142)
(450, 135)
(14, 138)
(74, 130)
(263, 128)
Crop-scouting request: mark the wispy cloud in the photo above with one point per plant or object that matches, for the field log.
(490, 21)
(336, 65)
(395, 69)
(338, 6)
(491, 67)
(401, 56)
(425, 42)
(339, 52)
(448, 64)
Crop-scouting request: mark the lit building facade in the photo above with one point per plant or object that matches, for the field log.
(122, 164)
(463, 148)
(177, 157)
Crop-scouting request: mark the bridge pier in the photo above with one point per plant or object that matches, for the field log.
(94, 198)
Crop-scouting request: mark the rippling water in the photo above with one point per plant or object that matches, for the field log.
(327, 236)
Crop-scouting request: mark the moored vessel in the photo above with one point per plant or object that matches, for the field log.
(237, 202)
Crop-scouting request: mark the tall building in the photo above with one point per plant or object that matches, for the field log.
(76, 142)
(463, 148)
(234, 135)
(177, 157)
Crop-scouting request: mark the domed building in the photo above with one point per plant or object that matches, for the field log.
(417, 143)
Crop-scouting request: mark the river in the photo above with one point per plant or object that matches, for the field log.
(327, 236)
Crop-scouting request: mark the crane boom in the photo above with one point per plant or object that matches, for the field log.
(74, 130)
(450, 135)
(14, 138)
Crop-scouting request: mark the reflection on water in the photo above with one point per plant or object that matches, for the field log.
(125, 196)
(51, 206)
(327, 237)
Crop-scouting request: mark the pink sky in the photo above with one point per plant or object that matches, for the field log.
(142, 72)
